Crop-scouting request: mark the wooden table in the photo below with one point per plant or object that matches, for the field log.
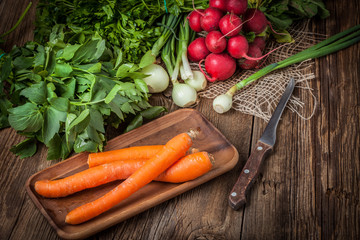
(308, 188)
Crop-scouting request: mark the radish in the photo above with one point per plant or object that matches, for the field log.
(237, 7)
(254, 51)
(220, 66)
(260, 42)
(215, 42)
(230, 25)
(255, 21)
(219, 4)
(238, 47)
(210, 20)
(194, 20)
(197, 50)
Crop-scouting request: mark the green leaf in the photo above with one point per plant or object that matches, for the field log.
(35, 93)
(50, 62)
(141, 85)
(69, 134)
(63, 70)
(54, 148)
(285, 37)
(5, 69)
(81, 121)
(135, 123)
(126, 108)
(23, 62)
(26, 148)
(27, 118)
(84, 144)
(147, 59)
(112, 93)
(69, 51)
(153, 112)
(51, 124)
(60, 103)
(96, 120)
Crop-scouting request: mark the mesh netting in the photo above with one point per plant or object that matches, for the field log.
(261, 97)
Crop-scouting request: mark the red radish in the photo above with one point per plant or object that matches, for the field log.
(237, 7)
(238, 47)
(215, 42)
(260, 42)
(220, 66)
(219, 4)
(197, 50)
(254, 21)
(210, 20)
(194, 20)
(230, 25)
(254, 51)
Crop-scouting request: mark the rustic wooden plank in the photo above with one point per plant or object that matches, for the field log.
(339, 143)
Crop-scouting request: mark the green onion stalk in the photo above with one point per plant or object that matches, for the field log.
(169, 24)
(223, 103)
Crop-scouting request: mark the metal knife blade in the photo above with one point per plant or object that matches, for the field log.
(237, 197)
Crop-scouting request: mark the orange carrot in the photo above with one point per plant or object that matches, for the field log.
(169, 154)
(88, 178)
(185, 169)
(137, 152)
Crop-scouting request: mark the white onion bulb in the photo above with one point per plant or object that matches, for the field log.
(158, 79)
(222, 103)
(183, 95)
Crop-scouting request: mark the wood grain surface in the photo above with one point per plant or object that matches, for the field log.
(308, 188)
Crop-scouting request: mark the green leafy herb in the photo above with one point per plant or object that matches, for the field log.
(63, 94)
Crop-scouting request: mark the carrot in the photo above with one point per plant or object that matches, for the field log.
(188, 168)
(88, 178)
(173, 150)
(185, 169)
(137, 152)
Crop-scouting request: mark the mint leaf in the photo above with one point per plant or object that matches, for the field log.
(27, 118)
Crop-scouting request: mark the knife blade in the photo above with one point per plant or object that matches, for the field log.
(265, 144)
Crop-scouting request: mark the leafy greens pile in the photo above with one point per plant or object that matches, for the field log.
(131, 27)
(65, 90)
(82, 72)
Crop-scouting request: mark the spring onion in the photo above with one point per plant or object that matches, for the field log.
(333, 44)
(157, 78)
(198, 82)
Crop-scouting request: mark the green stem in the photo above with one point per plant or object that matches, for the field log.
(333, 44)
(18, 22)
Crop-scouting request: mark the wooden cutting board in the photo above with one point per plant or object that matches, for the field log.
(158, 131)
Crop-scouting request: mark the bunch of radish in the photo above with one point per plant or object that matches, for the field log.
(225, 46)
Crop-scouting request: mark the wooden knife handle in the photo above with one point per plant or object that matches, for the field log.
(237, 197)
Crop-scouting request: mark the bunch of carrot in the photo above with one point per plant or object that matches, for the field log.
(137, 165)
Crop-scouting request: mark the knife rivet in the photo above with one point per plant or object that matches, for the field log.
(233, 194)
(259, 148)
(246, 171)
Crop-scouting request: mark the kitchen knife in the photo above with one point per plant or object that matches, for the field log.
(265, 144)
